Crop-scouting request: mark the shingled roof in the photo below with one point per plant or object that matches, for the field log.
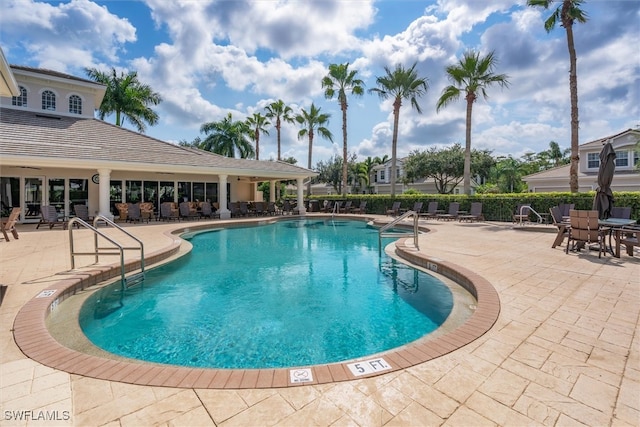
(29, 138)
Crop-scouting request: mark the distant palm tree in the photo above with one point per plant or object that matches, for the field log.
(566, 14)
(313, 121)
(471, 76)
(399, 84)
(259, 124)
(126, 97)
(281, 112)
(338, 82)
(226, 137)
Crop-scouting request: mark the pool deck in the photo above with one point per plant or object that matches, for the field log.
(565, 349)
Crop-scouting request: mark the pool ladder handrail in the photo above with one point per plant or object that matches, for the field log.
(335, 210)
(530, 209)
(106, 250)
(382, 232)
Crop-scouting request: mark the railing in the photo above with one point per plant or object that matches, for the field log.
(529, 208)
(384, 233)
(336, 209)
(107, 250)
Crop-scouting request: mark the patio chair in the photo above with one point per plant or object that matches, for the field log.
(244, 208)
(272, 209)
(621, 212)
(432, 210)
(258, 209)
(234, 208)
(565, 208)
(49, 216)
(475, 213)
(122, 210)
(629, 237)
(360, 209)
(451, 214)
(395, 209)
(134, 213)
(187, 211)
(168, 212)
(287, 208)
(585, 230)
(146, 211)
(563, 226)
(9, 226)
(82, 211)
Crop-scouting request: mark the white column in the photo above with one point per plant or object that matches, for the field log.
(301, 209)
(272, 191)
(222, 197)
(103, 190)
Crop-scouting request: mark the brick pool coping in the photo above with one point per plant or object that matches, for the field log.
(34, 340)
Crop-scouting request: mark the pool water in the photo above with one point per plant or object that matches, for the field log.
(290, 293)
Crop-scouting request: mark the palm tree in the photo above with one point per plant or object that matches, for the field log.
(566, 14)
(338, 82)
(259, 124)
(399, 84)
(280, 112)
(313, 121)
(126, 97)
(226, 137)
(471, 76)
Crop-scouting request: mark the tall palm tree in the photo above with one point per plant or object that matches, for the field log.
(399, 84)
(259, 124)
(313, 121)
(127, 97)
(226, 137)
(338, 82)
(472, 76)
(281, 112)
(566, 14)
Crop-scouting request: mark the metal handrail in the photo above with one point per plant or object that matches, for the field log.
(522, 208)
(382, 232)
(98, 250)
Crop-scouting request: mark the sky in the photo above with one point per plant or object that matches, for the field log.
(208, 58)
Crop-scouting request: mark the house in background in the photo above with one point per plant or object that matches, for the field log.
(54, 152)
(626, 177)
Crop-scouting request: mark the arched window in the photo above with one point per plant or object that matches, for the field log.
(48, 100)
(75, 104)
(20, 100)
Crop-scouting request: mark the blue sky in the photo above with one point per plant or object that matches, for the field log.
(209, 58)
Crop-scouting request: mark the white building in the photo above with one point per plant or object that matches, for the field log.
(54, 152)
(626, 177)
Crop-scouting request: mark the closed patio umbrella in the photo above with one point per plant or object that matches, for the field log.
(603, 201)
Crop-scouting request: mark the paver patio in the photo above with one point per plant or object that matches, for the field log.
(564, 350)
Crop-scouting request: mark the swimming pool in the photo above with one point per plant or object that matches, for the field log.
(291, 293)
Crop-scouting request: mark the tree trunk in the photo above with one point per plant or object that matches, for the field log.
(344, 148)
(309, 162)
(467, 148)
(278, 131)
(394, 143)
(573, 88)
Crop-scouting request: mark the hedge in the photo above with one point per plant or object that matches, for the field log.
(495, 207)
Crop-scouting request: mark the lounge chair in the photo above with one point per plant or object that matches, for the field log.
(451, 214)
(585, 230)
(168, 212)
(565, 208)
(432, 210)
(234, 208)
(395, 209)
(82, 211)
(244, 208)
(135, 214)
(9, 226)
(361, 209)
(272, 209)
(258, 209)
(521, 213)
(417, 208)
(49, 216)
(562, 225)
(122, 211)
(187, 211)
(347, 208)
(475, 213)
(206, 210)
(287, 208)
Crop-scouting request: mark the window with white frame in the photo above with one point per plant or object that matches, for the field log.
(75, 104)
(382, 175)
(48, 100)
(20, 100)
(636, 158)
(622, 158)
(593, 160)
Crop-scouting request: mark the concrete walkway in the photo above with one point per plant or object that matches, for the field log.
(564, 351)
